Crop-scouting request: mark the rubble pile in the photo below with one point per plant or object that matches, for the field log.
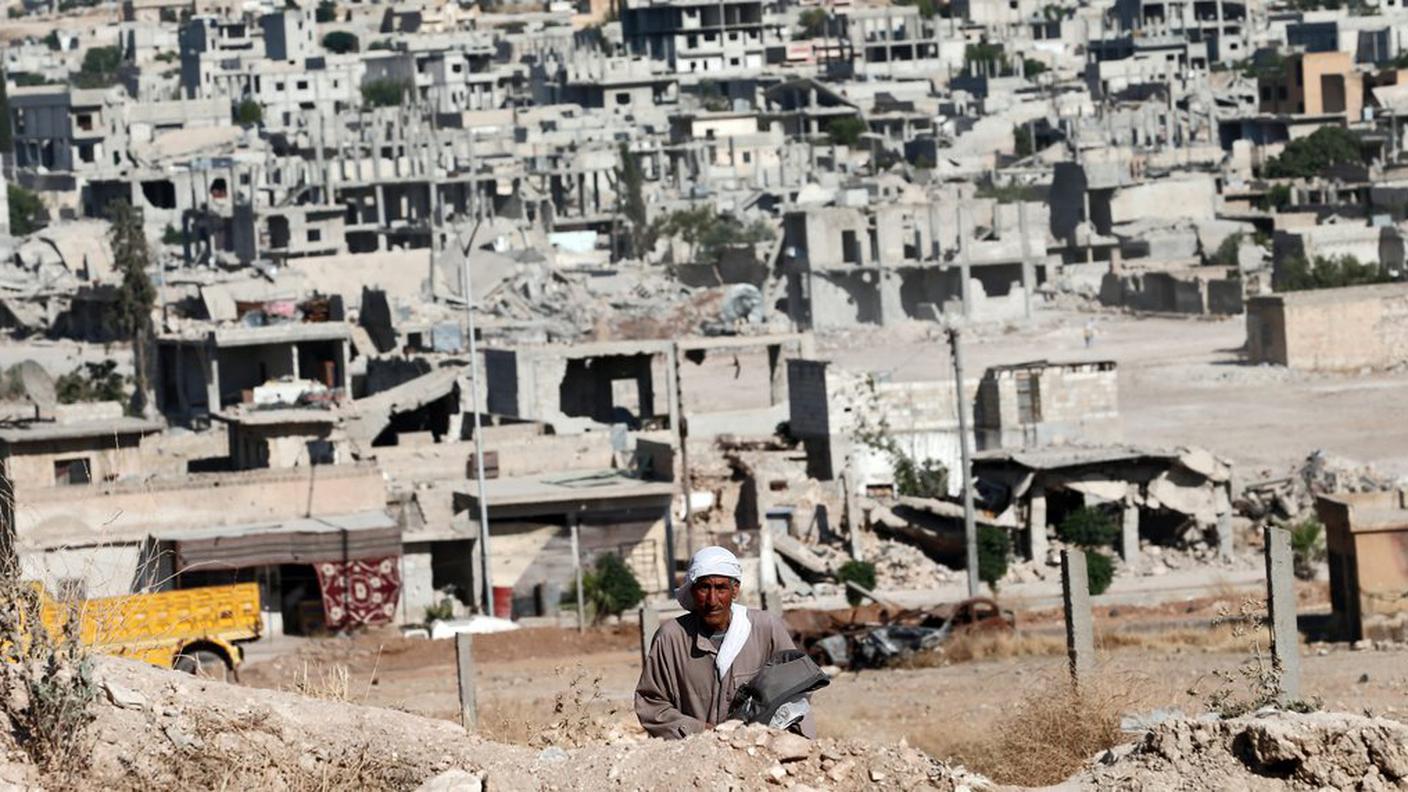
(1264, 751)
(903, 566)
(1293, 496)
(170, 730)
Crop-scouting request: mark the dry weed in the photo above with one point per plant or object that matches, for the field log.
(580, 714)
(1049, 734)
(327, 683)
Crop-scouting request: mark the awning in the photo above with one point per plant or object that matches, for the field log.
(344, 537)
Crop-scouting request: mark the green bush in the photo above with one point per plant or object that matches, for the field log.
(846, 130)
(340, 42)
(1099, 570)
(440, 611)
(248, 113)
(1088, 527)
(861, 573)
(1307, 547)
(1311, 155)
(1226, 253)
(326, 12)
(99, 67)
(27, 212)
(384, 92)
(1297, 274)
(994, 547)
(92, 382)
(611, 588)
(812, 23)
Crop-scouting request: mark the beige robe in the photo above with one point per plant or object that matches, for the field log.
(680, 690)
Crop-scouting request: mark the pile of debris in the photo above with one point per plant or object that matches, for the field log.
(1292, 496)
(161, 729)
(1264, 751)
(900, 566)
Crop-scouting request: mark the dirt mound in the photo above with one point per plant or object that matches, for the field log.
(160, 729)
(1269, 751)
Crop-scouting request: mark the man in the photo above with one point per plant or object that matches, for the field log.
(698, 661)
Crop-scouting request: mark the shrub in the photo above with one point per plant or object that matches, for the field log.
(171, 236)
(93, 382)
(812, 23)
(1088, 527)
(326, 11)
(1226, 253)
(846, 130)
(1297, 274)
(993, 548)
(1099, 570)
(248, 113)
(1050, 733)
(384, 92)
(1307, 547)
(99, 67)
(27, 212)
(440, 611)
(861, 573)
(340, 42)
(1311, 155)
(924, 479)
(611, 588)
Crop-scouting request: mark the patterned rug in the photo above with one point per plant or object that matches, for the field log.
(359, 593)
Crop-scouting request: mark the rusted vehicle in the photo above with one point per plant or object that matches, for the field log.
(871, 636)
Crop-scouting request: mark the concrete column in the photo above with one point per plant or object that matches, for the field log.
(342, 357)
(1129, 534)
(1080, 629)
(293, 361)
(767, 569)
(1036, 526)
(211, 356)
(1281, 612)
(464, 667)
(1028, 266)
(1224, 535)
(777, 375)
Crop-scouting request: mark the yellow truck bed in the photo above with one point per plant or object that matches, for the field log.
(161, 626)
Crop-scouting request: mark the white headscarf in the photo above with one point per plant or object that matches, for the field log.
(711, 562)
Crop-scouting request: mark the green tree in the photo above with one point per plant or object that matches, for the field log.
(136, 296)
(326, 12)
(1099, 571)
(384, 92)
(1024, 139)
(1297, 274)
(861, 573)
(845, 130)
(90, 382)
(99, 69)
(632, 200)
(27, 212)
(1033, 67)
(991, 57)
(611, 588)
(1307, 547)
(1088, 527)
(1311, 155)
(812, 23)
(708, 233)
(1226, 253)
(51, 40)
(249, 113)
(994, 546)
(340, 42)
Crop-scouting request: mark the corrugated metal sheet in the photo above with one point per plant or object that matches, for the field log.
(304, 541)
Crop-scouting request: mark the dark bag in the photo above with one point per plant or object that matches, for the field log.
(787, 676)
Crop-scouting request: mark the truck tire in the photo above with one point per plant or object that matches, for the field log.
(205, 664)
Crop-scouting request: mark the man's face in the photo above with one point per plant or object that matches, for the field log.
(713, 596)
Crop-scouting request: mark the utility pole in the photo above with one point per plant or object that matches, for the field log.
(478, 436)
(970, 528)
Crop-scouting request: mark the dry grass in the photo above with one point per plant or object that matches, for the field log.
(1047, 735)
(580, 714)
(979, 646)
(324, 682)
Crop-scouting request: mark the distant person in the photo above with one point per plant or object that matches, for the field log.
(1089, 333)
(697, 662)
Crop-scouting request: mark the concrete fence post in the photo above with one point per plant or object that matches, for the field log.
(464, 665)
(649, 623)
(1075, 597)
(1281, 612)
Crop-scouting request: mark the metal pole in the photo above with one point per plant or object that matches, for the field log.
(970, 528)
(478, 442)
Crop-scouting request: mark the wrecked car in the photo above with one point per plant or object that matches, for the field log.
(874, 636)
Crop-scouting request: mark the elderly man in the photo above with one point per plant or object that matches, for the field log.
(698, 661)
